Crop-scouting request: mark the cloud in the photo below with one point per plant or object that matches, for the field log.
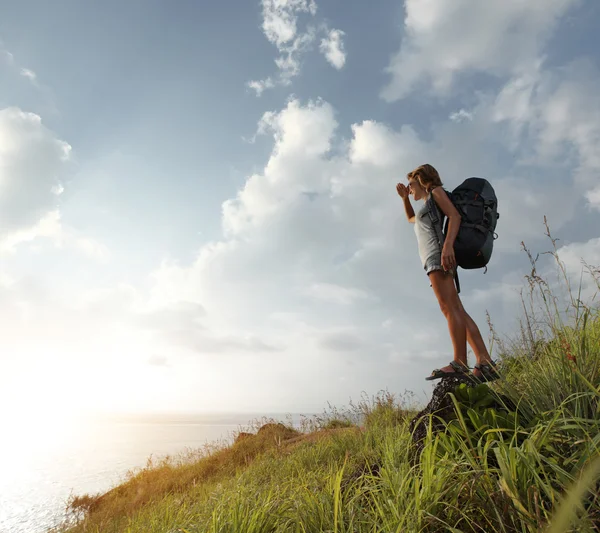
(32, 162)
(6, 281)
(92, 248)
(555, 112)
(461, 115)
(280, 26)
(31, 159)
(186, 324)
(343, 341)
(572, 254)
(170, 319)
(582, 263)
(289, 60)
(321, 225)
(568, 116)
(48, 226)
(259, 86)
(6, 56)
(225, 344)
(445, 38)
(29, 74)
(8, 59)
(593, 197)
(121, 301)
(317, 270)
(311, 224)
(330, 292)
(158, 360)
(280, 18)
(316, 279)
(332, 47)
(538, 133)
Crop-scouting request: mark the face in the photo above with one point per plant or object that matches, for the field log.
(414, 187)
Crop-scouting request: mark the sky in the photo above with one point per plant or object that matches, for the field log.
(198, 207)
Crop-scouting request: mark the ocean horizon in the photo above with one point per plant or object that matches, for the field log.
(45, 464)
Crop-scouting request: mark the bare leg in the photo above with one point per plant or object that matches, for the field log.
(445, 291)
(474, 338)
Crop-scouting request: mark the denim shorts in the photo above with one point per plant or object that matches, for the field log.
(430, 250)
(433, 265)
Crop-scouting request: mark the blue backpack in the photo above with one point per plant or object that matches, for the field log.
(475, 200)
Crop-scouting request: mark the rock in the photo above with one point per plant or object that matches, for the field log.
(440, 404)
(277, 430)
(271, 427)
(242, 435)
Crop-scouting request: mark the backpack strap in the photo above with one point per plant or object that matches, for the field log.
(436, 219)
(479, 227)
(456, 282)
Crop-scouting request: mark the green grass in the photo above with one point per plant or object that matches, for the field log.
(519, 456)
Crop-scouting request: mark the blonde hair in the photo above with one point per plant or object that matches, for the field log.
(427, 176)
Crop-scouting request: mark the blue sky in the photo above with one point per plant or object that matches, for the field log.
(197, 244)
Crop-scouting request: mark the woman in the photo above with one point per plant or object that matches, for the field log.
(440, 264)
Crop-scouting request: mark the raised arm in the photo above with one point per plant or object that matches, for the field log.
(403, 192)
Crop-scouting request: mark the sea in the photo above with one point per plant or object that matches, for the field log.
(43, 463)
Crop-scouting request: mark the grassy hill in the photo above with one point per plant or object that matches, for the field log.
(518, 455)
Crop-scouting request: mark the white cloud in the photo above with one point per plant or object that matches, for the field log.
(280, 26)
(122, 299)
(29, 74)
(555, 112)
(569, 115)
(342, 341)
(580, 262)
(280, 18)
(330, 292)
(32, 160)
(8, 58)
(317, 271)
(444, 38)
(332, 47)
(92, 248)
(318, 225)
(48, 226)
(6, 281)
(289, 60)
(461, 115)
(378, 145)
(261, 85)
(158, 360)
(328, 224)
(548, 124)
(593, 197)
(572, 254)
(502, 293)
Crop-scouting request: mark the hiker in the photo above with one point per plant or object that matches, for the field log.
(439, 262)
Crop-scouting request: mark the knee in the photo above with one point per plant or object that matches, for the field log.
(449, 308)
(444, 308)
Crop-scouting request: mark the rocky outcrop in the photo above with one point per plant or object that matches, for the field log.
(242, 435)
(271, 430)
(477, 396)
(440, 405)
